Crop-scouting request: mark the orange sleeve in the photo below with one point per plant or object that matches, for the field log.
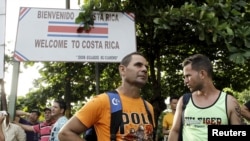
(93, 110)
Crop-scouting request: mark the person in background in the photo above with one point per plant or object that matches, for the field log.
(168, 117)
(43, 129)
(133, 70)
(245, 110)
(206, 102)
(32, 119)
(11, 131)
(58, 113)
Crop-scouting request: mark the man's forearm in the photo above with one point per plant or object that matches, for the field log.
(21, 113)
(70, 136)
(173, 136)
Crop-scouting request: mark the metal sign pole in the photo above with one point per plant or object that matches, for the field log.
(13, 92)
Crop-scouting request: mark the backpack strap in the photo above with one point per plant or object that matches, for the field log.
(116, 113)
(148, 112)
(149, 115)
(185, 100)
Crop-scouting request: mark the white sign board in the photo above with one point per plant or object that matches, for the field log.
(2, 36)
(51, 35)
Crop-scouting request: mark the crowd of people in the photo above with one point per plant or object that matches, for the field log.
(135, 120)
(26, 125)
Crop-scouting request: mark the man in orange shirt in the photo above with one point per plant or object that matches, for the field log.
(133, 70)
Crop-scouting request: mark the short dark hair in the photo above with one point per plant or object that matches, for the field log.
(46, 109)
(126, 60)
(199, 62)
(62, 104)
(174, 97)
(36, 111)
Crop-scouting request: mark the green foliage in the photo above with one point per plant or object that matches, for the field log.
(215, 22)
(159, 134)
(244, 96)
(82, 82)
(86, 19)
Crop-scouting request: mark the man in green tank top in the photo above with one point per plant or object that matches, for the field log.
(207, 105)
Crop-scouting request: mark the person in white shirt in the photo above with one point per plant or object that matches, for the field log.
(58, 113)
(11, 131)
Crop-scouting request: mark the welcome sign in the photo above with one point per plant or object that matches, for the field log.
(53, 35)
